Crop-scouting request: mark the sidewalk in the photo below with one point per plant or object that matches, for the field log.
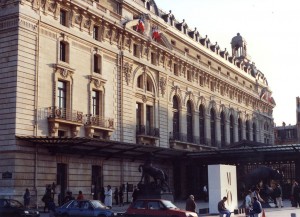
(286, 211)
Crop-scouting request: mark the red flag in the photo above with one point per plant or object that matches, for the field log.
(140, 26)
(155, 34)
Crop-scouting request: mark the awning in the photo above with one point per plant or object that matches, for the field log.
(107, 149)
(102, 148)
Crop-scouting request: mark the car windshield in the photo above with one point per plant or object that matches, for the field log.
(97, 204)
(14, 203)
(169, 204)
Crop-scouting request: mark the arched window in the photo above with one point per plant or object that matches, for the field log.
(223, 142)
(148, 6)
(213, 127)
(231, 129)
(248, 130)
(254, 132)
(176, 129)
(240, 129)
(140, 81)
(201, 124)
(189, 122)
(149, 85)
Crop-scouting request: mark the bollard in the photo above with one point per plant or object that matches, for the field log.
(293, 214)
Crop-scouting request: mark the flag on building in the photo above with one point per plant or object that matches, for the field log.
(155, 34)
(140, 26)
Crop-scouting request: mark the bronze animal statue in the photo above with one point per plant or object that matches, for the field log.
(157, 174)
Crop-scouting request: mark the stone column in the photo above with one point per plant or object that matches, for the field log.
(236, 131)
(218, 131)
(227, 132)
(207, 129)
(196, 132)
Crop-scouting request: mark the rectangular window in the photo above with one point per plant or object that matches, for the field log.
(189, 75)
(153, 58)
(96, 33)
(63, 17)
(62, 95)
(138, 114)
(175, 69)
(96, 181)
(135, 50)
(95, 102)
(62, 51)
(149, 117)
(97, 64)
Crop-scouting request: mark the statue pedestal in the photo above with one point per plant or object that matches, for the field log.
(150, 191)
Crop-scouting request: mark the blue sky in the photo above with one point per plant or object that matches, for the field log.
(272, 31)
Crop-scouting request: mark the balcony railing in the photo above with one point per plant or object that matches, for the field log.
(100, 121)
(142, 130)
(181, 137)
(64, 114)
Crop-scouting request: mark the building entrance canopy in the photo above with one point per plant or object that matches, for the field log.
(90, 147)
(108, 149)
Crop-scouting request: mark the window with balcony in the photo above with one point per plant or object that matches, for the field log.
(62, 97)
(213, 126)
(95, 103)
(223, 141)
(202, 124)
(231, 129)
(189, 121)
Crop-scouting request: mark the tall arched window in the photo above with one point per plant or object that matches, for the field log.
(189, 121)
(223, 142)
(240, 129)
(213, 126)
(176, 128)
(201, 124)
(231, 129)
(254, 132)
(248, 130)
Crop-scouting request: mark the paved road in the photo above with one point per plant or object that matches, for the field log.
(286, 211)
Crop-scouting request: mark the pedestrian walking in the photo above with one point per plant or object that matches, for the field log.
(26, 198)
(121, 196)
(116, 196)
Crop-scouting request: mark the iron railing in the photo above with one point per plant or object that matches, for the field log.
(100, 121)
(185, 138)
(142, 130)
(64, 114)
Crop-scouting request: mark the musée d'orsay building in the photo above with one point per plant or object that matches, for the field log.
(89, 88)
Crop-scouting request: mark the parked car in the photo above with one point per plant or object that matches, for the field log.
(13, 208)
(84, 208)
(156, 207)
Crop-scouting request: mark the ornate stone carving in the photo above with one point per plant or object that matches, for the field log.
(144, 98)
(162, 85)
(53, 128)
(127, 69)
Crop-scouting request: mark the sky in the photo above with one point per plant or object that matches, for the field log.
(271, 29)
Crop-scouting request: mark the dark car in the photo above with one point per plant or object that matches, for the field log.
(156, 207)
(83, 208)
(13, 208)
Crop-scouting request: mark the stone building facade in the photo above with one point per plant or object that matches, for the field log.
(116, 70)
(289, 134)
